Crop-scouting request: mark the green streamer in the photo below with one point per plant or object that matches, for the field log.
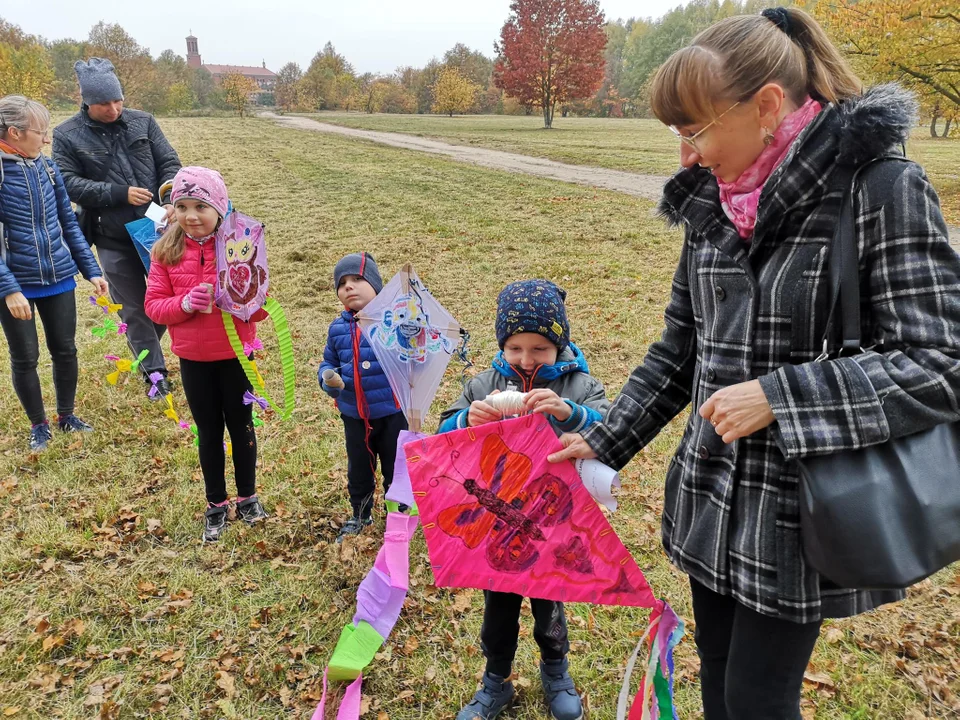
(282, 330)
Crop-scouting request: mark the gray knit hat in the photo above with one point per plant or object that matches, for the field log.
(361, 264)
(98, 81)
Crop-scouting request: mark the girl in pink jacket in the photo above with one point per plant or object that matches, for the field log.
(183, 273)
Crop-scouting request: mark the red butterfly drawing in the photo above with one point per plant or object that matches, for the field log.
(509, 510)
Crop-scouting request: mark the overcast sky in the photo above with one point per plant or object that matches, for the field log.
(375, 35)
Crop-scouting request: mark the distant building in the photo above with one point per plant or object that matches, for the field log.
(264, 78)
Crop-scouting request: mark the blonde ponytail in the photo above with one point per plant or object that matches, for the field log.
(735, 57)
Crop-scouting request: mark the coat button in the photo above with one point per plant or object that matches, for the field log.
(704, 452)
(711, 375)
(720, 293)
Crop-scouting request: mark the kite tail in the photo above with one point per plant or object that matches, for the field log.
(349, 705)
(654, 700)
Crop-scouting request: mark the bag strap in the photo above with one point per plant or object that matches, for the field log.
(112, 159)
(844, 260)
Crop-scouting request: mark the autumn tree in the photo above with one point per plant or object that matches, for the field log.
(911, 41)
(179, 98)
(25, 67)
(453, 93)
(63, 56)
(330, 82)
(285, 87)
(203, 87)
(132, 62)
(551, 52)
(237, 90)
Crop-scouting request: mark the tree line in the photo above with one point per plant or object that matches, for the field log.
(605, 72)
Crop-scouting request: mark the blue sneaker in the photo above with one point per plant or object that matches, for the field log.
(558, 687)
(40, 435)
(71, 423)
(494, 696)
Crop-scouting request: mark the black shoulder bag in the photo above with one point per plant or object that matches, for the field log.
(888, 515)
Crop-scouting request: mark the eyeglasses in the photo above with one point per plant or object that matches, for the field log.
(45, 134)
(691, 140)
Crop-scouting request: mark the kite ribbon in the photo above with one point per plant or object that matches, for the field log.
(282, 330)
(654, 699)
(349, 706)
(250, 399)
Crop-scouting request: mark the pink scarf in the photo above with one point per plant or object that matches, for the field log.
(739, 199)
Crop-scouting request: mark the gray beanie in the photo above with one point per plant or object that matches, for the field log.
(361, 264)
(98, 81)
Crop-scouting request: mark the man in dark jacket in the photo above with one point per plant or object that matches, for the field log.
(114, 162)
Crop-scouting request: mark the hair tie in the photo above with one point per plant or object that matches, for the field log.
(780, 17)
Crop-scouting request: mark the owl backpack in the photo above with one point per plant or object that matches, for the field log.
(242, 283)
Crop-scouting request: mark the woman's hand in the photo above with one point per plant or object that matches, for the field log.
(480, 413)
(547, 402)
(100, 287)
(738, 411)
(574, 447)
(19, 306)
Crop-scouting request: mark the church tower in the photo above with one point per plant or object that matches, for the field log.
(193, 55)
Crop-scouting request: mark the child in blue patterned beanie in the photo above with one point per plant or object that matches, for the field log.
(537, 358)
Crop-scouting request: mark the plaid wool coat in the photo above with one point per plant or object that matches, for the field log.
(739, 312)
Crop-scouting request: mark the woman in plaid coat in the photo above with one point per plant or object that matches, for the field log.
(772, 124)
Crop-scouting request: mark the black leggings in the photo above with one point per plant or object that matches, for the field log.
(59, 317)
(751, 665)
(214, 392)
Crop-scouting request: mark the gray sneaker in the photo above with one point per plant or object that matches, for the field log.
(251, 511)
(354, 526)
(214, 523)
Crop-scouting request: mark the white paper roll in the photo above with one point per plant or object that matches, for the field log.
(600, 481)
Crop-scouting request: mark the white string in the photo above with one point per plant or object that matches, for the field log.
(508, 402)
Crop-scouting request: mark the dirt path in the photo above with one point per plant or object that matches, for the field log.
(645, 186)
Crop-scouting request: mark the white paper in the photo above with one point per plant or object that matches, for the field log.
(156, 213)
(600, 481)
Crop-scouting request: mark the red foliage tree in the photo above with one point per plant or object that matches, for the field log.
(551, 51)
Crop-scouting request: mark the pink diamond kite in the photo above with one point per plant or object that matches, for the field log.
(498, 516)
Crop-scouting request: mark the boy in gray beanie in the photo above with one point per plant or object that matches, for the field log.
(98, 81)
(351, 374)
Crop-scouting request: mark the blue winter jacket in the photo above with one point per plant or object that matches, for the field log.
(42, 243)
(338, 356)
(569, 377)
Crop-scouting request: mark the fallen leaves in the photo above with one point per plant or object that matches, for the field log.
(54, 639)
(225, 681)
(176, 602)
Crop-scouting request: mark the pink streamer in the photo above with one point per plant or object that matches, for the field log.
(349, 705)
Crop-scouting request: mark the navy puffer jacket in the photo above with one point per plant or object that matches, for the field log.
(42, 243)
(338, 356)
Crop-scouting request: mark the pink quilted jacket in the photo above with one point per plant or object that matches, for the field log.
(195, 336)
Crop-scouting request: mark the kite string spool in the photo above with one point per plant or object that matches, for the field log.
(508, 402)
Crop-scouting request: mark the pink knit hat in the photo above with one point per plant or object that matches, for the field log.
(203, 184)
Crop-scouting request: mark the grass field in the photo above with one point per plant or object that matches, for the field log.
(641, 146)
(111, 608)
